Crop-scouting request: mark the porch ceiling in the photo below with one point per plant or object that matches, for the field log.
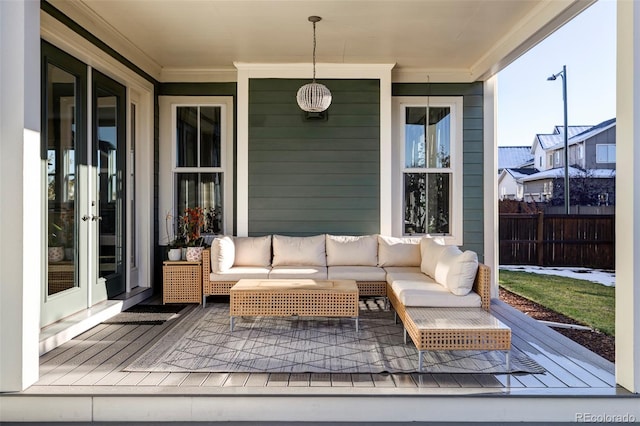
(449, 40)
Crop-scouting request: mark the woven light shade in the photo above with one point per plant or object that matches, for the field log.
(314, 97)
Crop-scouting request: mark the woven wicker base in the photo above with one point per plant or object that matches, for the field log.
(305, 298)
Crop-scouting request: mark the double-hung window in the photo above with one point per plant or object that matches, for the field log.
(430, 142)
(605, 153)
(198, 169)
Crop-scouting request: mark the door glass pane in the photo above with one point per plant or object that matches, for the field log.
(187, 136)
(61, 170)
(109, 178)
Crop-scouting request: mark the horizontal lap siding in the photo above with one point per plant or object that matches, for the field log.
(312, 177)
(473, 151)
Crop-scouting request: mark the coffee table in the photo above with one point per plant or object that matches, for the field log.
(294, 297)
(449, 329)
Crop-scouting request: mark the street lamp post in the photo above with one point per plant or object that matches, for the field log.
(563, 74)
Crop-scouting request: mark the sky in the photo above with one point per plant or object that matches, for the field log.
(528, 104)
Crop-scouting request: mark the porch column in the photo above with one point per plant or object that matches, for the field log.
(21, 221)
(490, 148)
(628, 197)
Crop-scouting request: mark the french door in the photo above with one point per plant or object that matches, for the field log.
(84, 169)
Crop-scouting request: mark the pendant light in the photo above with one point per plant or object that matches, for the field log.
(314, 97)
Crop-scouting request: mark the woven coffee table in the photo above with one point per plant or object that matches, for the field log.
(448, 329)
(294, 297)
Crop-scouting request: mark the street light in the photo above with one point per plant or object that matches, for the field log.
(563, 74)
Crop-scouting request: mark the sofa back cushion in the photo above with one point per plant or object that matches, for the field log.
(222, 254)
(299, 251)
(252, 251)
(345, 250)
(456, 270)
(394, 251)
(430, 251)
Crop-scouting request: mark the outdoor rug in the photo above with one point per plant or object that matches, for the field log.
(147, 314)
(202, 342)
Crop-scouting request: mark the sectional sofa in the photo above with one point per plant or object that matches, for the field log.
(410, 271)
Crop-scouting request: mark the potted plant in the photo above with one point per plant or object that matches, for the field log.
(190, 226)
(174, 243)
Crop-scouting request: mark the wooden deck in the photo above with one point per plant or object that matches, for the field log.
(90, 366)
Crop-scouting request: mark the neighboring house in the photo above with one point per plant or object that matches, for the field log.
(592, 155)
(510, 157)
(115, 115)
(510, 186)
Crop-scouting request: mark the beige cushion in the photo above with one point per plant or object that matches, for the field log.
(432, 294)
(394, 251)
(310, 272)
(239, 272)
(253, 251)
(222, 254)
(301, 251)
(413, 273)
(456, 270)
(358, 273)
(430, 250)
(344, 250)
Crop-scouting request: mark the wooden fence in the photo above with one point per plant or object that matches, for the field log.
(557, 240)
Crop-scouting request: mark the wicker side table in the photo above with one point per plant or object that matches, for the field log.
(181, 282)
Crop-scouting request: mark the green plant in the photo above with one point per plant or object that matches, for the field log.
(55, 235)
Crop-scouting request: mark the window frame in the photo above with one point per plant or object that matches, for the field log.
(608, 146)
(455, 169)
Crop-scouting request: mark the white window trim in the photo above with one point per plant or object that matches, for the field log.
(168, 154)
(456, 105)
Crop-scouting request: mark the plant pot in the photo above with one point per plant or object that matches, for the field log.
(175, 254)
(55, 254)
(194, 254)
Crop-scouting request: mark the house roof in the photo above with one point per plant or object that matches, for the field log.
(573, 173)
(550, 140)
(588, 133)
(197, 40)
(513, 156)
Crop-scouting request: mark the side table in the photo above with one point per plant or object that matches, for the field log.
(181, 282)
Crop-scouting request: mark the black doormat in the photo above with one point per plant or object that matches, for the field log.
(147, 314)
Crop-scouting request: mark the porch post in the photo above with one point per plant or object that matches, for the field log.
(490, 147)
(21, 221)
(628, 197)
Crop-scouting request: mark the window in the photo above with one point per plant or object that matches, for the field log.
(606, 153)
(430, 141)
(540, 161)
(198, 167)
(580, 151)
(557, 158)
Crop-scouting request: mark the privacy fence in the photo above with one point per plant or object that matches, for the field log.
(557, 240)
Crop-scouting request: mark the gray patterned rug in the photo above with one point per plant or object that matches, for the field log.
(202, 342)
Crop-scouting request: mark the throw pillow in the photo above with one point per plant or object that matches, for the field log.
(430, 251)
(253, 251)
(456, 270)
(393, 251)
(223, 253)
(345, 250)
(299, 251)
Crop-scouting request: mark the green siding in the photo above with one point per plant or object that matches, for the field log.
(473, 150)
(311, 177)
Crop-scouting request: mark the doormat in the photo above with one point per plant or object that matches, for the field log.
(147, 314)
(202, 342)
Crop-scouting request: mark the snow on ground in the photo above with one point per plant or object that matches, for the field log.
(598, 276)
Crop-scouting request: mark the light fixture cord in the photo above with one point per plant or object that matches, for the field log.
(314, 52)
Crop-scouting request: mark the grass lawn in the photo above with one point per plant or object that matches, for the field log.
(586, 302)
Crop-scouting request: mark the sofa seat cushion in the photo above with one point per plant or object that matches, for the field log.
(413, 273)
(239, 272)
(432, 294)
(346, 250)
(358, 273)
(403, 251)
(294, 272)
(299, 251)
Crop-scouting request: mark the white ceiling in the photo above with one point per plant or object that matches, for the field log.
(443, 38)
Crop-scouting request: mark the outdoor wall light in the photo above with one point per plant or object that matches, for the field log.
(314, 97)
